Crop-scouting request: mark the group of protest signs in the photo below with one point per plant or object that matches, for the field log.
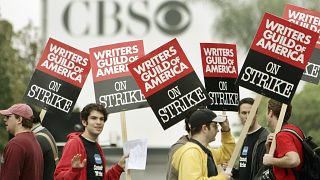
(283, 52)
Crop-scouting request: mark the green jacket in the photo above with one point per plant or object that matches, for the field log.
(190, 162)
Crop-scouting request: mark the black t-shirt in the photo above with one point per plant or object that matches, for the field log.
(246, 154)
(94, 160)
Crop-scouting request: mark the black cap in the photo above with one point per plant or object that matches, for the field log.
(204, 116)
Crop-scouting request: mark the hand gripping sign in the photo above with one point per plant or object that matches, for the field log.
(220, 69)
(114, 86)
(274, 66)
(310, 20)
(169, 83)
(58, 78)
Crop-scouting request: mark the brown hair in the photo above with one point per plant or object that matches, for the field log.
(275, 106)
(27, 123)
(245, 101)
(84, 114)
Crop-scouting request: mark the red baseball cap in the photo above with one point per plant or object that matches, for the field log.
(22, 110)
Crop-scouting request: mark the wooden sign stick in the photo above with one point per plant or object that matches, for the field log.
(42, 114)
(244, 133)
(278, 128)
(124, 137)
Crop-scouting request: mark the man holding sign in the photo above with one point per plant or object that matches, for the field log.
(275, 63)
(288, 154)
(195, 160)
(253, 148)
(82, 156)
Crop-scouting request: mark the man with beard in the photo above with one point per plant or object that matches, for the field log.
(195, 160)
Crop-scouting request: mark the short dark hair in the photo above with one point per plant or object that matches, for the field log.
(275, 106)
(36, 115)
(27, 123)
(84, 114)
(245, 101)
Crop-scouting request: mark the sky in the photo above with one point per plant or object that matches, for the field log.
(20, 12)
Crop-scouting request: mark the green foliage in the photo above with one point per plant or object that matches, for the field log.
(17, 59)
(305, 111)
(262, 112)
(306, 114)
(238, 21)
(7, 55)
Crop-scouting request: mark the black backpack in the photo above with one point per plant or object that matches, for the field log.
(311, 153)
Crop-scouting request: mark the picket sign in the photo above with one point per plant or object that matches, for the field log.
(244, 133)
(124, 137)
(221, 167)
(42, 114)
(278, 128)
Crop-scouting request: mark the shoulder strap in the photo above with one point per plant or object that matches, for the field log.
(54, 149)
(263, 135)
(300, 138)
(293, 132)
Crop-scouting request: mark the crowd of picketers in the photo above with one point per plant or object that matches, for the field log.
(32, 153)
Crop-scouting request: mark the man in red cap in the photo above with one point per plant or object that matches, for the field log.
(22, 157)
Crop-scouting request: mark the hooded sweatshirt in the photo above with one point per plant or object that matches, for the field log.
(75, 146)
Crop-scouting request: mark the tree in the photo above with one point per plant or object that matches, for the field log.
(17, 59)
(7, 54)
(305, 113)
(238, 21)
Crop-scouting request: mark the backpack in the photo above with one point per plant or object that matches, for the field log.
(311, 153)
